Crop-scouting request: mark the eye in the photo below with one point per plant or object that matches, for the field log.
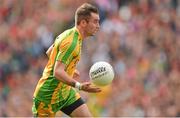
(96, 21)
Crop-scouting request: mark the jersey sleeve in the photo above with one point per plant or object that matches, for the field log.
(65, 53)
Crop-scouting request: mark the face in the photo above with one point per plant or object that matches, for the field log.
(92, 26)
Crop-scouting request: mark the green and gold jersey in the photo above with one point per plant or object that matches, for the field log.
(67, 49)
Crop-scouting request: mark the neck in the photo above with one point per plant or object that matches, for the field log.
(82, 32)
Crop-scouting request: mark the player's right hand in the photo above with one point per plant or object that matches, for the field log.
(88, 87)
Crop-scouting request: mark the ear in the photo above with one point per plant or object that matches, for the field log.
(83, 23)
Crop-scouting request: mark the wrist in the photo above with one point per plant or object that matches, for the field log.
(78, 85)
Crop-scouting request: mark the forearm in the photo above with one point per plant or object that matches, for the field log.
(62, 76)
(65, 78)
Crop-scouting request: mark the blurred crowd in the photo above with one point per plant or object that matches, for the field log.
(139, 38)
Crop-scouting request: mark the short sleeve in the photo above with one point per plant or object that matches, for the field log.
(65, 53)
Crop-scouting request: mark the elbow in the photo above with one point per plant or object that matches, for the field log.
(56, 73)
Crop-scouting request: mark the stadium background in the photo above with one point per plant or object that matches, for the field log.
(140, 38)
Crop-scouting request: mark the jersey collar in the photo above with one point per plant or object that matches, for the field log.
(78, 32)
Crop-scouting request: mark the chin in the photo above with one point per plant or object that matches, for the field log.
(94, 33)
(91, 34)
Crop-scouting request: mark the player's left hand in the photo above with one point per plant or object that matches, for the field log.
(88, 87)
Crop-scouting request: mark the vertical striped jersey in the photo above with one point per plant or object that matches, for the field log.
(67, 49)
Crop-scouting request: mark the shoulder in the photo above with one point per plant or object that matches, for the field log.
(67, 34)
(67, 38)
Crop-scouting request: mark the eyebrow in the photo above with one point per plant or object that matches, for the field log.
(97, 19)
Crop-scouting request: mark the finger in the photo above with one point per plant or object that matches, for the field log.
(87, 83)
(95, 90)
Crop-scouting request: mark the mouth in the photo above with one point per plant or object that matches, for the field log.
(96, 30)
